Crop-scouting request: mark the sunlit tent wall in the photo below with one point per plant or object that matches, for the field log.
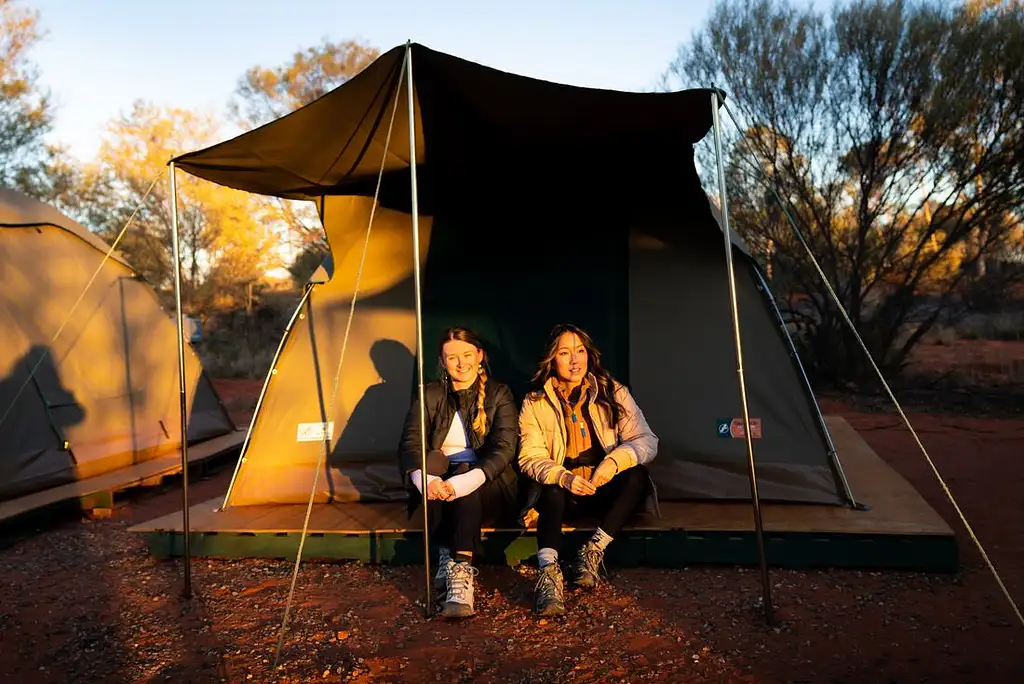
(104, 394)
(539, 203)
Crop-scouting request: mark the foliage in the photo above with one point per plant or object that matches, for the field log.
(306, 263)
(267, 93)
(223, 243)
(890, 134)
(26, 114)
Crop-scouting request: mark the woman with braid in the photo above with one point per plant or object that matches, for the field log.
(471, 434)
(585, 442)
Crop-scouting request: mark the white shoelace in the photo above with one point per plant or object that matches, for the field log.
(460, 583)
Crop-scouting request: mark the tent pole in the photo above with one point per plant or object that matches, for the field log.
(263, 393)
(832, 452)
(182, 401)
(758, 525)
(419, 318)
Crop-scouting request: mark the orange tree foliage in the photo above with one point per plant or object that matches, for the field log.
(225, 245)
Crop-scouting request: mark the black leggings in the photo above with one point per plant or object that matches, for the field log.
(456, 524)
(613, 502)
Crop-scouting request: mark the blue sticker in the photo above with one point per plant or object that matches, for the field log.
(724, 427)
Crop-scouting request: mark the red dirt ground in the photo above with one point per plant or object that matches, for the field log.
(972, 361)
(84, 602)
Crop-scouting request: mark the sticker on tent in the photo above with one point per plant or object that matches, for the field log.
(315, 432)
(733, 427)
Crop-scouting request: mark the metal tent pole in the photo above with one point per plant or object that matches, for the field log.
(758, 525)
(419, 318)
(183, 402)
(833, 454)
(263, 393)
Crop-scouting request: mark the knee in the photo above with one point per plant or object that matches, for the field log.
(552, 498)
(635, 478)
(467, 502)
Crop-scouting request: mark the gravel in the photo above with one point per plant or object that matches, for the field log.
(84, 602)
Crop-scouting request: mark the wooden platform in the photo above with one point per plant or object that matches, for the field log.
(900, 529)
(18, 515)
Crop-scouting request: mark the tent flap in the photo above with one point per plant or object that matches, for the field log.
(335, 143)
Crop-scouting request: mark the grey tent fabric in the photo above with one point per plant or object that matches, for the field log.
(104, 394)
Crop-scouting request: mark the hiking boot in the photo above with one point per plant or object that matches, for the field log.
(459, 603)
(549, 591)
(444, 565)
(588, 566)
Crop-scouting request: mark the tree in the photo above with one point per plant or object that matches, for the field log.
(890, 134)
(267, 93)
(305, 264)
(223, 242)
(26, 115)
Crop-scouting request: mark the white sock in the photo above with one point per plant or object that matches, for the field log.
(546, 556)
(601, 539)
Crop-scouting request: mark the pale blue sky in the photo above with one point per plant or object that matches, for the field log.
(98, 56)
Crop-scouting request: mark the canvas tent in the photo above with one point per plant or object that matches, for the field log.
(104, 394)
(539, 203)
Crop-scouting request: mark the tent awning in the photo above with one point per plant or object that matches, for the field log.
(468, 116)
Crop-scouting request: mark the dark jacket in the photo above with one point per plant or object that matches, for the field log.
(495, 452)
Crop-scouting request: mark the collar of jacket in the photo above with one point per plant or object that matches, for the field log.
(552, 394)
(449, 405)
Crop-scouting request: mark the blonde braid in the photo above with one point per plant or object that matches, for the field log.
(480, 419)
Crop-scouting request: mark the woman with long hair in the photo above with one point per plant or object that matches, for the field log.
(584, 443)
(471, 432)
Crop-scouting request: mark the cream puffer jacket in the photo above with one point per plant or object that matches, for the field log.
(542, 433)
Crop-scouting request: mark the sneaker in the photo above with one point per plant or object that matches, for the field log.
(549, 591)
(589, 562)
(444, 565)
(459, 603)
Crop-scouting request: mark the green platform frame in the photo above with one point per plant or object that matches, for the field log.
(897, 530)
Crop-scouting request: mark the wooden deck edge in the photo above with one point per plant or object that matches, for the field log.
(35, 510)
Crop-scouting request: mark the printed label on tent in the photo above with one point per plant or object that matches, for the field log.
(315, 432)
(733, 428)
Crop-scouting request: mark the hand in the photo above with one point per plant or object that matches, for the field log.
(440, 490)
(605, 471)
(580, 486)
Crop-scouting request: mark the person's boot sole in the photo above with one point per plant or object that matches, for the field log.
(553, 610)
(586, 581)
(454, 610)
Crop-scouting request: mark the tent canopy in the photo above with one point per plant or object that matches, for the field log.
(510, 129)
(104, 394)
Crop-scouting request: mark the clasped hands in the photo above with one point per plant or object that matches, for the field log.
(440, 490)
(581, 486)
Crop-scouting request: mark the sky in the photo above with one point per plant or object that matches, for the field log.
(98, 56)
